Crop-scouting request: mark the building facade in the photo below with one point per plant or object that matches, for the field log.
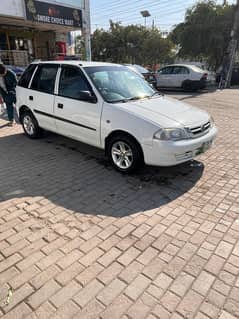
(40, 29)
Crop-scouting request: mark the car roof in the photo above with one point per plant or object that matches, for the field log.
(184, 65)
(77, 63)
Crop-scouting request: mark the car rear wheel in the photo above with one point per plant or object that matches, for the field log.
(191, 86)
(187, 86)
(30, 125)
(125, 154)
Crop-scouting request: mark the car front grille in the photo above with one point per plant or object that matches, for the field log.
(199, 130)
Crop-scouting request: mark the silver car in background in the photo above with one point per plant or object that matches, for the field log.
(186, 77)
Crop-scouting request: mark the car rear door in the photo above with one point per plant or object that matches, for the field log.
(23, 91)
(76, 117)
(41, 95)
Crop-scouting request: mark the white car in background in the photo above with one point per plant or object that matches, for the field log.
(111, 107)
(187, 77)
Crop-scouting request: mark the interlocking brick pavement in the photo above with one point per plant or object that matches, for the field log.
(79, 240)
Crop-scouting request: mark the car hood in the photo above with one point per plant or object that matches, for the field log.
(155, 108)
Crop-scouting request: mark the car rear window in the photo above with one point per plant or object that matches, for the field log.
(44, 78)
(27, 75)
(196, 68)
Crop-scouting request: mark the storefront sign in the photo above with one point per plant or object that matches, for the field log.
(53, 14)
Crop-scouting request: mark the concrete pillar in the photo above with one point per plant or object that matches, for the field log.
(87, 29)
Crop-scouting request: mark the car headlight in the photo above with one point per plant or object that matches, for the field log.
(173, 134)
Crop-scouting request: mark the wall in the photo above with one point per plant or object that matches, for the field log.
(67, 3)
(13, 8)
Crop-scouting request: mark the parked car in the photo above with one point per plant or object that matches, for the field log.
(147, 74)
(111, 107)
(16, 69)
(187, 77)
(235, 75)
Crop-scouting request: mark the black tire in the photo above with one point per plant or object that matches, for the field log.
(187, 86)
(132, 146)
(196, 85)
(30, 125)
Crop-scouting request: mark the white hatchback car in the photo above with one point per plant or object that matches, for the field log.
(111, 107)
(187, 77)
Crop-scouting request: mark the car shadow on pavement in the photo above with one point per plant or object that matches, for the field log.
(188, 95)
(4, 125)
(79, 178)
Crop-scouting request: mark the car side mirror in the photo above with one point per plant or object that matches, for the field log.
(88, 96)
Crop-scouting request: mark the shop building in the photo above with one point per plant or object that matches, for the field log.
(34, 29)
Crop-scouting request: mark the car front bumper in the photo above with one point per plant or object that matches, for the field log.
(170, 153)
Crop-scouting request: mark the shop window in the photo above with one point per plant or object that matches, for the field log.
(44, 78)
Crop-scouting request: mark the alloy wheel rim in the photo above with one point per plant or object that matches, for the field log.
(28, 125)
(122, 155)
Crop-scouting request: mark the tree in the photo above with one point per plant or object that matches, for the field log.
(130, 44)
(80, 47)
(205, 33)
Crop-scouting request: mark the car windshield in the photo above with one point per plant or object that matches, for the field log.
(119, 83)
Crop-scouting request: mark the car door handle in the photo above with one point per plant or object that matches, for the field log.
(31, 98)
(60, 106)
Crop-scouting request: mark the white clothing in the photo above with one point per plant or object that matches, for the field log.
(2, 83)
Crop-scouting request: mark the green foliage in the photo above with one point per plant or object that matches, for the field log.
(130, 44)
(205, 33)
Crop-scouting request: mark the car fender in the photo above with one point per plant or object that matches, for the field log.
(116, 119)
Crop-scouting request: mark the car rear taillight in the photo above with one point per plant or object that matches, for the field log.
(204, 77)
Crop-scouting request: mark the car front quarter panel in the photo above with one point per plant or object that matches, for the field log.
(116, 119)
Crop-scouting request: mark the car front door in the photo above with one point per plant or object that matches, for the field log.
(179, 74)
(41, 95)
(164, 77)
(76, 109)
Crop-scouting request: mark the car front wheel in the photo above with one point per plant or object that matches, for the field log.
(30, 125)
(125, 154)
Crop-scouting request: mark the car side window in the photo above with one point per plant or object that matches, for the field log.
(72, 83)
(180, 70)
(167, 70)
(44, 78)
(26, 76)
(185, 70)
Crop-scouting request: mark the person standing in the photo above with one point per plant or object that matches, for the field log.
(222, 81)
(8, 83)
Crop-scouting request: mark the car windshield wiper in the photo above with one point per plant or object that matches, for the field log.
(134, 98)
(155, 93)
